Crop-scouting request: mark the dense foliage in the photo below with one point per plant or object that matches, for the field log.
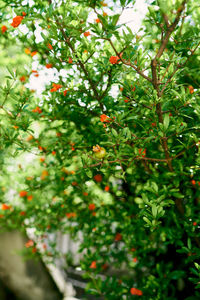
(112, 141)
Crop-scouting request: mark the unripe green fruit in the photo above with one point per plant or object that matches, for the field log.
(100, 154)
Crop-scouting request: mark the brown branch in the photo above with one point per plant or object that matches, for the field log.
(80, 63)
(89, 57)
(128, 63)
(108, 84)
(166, 70)
(121, 160)
(144, 105)
(165, 17)
(183, 151)
(170, 30)
(152, 159)
(162, 48)
(179, 67)
(155, 81)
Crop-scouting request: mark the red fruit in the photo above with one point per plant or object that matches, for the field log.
(193, 182)
(135, 259)
(133, 89)
(34, 250)
(23, 193)
(135, 291)
(5, 206)
(55, 87)
(143, 152)
(104, 118)
(194, 223)
(98, 178)
(191, 89)
(37, 110)
(22, 213)
(71, 215)
(22, 78)
(86, 34)
(133, 249)
(29, 244)
(118, 237)
(106, 188)
(114, 60)
(16, 21)
(93, 265)
(49, 66)
(65, 92)
(33, 53)
(92, 206)
(3, 29)
(49, 46)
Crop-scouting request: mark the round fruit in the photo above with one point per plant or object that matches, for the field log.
(101, 153)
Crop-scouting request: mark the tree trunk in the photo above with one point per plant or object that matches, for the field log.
(27, 279)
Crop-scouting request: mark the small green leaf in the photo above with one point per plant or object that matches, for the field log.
(189, 243)
(114, 132)
(147, 220)
(89, 173)
(155, 186)
(166, 121)
(154, 210)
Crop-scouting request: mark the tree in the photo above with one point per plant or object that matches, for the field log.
(117, 137)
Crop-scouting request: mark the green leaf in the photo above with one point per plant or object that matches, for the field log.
(114, 132)
(155, 186)
(10, 71)
(147, 220)
(197, 266)
(115, 19)
(154, 210)
(189, 243)
(89, 173)
(166, 121)
(122, 2)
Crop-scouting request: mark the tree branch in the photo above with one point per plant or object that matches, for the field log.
(92, 84)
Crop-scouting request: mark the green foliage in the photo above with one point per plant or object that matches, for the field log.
(136, 96)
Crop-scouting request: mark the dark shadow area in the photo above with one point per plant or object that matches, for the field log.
(6, 294)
